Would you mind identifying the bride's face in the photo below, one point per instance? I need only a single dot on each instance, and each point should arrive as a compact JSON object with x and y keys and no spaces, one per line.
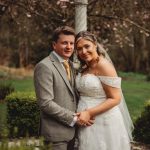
{"x":86,"y":50}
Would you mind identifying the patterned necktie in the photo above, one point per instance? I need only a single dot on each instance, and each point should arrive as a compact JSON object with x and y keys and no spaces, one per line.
{"x":67,"y":67}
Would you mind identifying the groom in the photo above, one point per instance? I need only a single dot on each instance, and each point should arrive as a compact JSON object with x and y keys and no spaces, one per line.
{"x":55,"y":91}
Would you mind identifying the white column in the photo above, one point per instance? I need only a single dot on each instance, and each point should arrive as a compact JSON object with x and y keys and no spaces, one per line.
{"x":80,"y":15}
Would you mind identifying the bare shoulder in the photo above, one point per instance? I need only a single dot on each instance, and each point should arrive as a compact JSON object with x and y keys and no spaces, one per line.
{"x":106,"y":68}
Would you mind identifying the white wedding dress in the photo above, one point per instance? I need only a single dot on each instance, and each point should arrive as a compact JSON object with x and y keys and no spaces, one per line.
{"x":108,"y":131}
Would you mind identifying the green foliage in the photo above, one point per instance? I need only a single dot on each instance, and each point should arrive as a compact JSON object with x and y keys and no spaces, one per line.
{"x":136,"y":91}
{"x":148,"y":77}
{"x":5,"y":146}
{"x":3,"y":127}
{"x":132,"y":76}
{"x":142,"y":126}
{"x":5,"y":89}
{"x":22,"y":114}
{"x":22,"y":144}
{"x":22,"y":85}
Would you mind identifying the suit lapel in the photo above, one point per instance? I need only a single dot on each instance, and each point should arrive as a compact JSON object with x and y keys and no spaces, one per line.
{"x":61,"y":71}
{"x":72,"y":74}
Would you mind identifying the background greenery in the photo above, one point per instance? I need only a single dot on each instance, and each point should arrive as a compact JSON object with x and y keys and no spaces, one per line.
{"x":22,"y":114}
{"x":136,"y":91}
{"x":22,"y":85}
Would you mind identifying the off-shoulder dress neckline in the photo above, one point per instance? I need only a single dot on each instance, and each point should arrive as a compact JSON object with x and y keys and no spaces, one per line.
{"x":91,"y":74}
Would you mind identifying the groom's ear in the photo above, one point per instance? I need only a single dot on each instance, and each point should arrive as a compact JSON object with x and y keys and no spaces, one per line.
{"x":54,"y":45}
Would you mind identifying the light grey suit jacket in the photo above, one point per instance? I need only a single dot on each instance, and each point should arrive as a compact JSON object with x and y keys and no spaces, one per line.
{"x":56,"y":98}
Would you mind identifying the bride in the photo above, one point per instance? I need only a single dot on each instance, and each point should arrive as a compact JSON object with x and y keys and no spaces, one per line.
{"x":101,"y":99}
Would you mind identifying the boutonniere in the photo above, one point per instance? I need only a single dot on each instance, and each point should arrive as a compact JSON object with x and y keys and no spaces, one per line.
{"x":76,"y":65}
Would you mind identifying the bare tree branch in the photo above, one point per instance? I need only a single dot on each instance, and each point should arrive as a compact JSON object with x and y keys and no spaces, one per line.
{"x":123,"y":19}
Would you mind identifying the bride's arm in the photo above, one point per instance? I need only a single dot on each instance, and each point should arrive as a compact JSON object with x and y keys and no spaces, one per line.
{"x":113,"y":96}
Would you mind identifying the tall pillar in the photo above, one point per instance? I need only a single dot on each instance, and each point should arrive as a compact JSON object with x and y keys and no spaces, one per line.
{"x":80,"y":15}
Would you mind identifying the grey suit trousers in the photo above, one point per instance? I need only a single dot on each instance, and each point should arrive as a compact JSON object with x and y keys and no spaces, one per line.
{"x":59,"y":145}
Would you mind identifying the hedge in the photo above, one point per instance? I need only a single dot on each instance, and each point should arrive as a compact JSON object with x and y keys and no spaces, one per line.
{"x":142,"y":126}
{"x":22,"y":114}
{"x":5,"y":89}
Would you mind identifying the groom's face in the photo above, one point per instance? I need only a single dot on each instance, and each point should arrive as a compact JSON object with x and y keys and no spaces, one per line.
{"x":64,"y":46}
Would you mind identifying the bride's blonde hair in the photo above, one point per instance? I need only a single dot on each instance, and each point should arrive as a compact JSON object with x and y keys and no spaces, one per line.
{"x":90,"y":37}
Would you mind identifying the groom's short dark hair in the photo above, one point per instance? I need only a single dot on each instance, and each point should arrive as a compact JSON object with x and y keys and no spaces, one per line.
{"x":66,"y":30}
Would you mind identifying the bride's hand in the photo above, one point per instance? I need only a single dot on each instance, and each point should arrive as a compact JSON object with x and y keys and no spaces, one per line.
{"x":83,"y":119}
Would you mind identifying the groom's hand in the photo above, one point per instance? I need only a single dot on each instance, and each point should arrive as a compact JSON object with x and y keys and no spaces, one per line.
{"x":81,"y":123}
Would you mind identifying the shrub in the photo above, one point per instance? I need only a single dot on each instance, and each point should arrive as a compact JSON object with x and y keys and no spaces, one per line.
{"x":142,"y":126}
{"x":22,"y":114}
{"x":3,"y":124}
{"x":148,"y":77}
{"x":5,"y":89}
{"x":22,"y":144}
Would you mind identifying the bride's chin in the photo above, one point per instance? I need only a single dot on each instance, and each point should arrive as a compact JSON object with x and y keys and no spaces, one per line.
{"x":88,"y":60}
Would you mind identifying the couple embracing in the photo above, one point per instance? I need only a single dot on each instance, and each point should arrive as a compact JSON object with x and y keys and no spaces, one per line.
{"x":90,"y":100}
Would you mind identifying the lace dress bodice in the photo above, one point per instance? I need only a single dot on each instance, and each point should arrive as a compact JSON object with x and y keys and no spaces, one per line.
{"x":90,"y":85}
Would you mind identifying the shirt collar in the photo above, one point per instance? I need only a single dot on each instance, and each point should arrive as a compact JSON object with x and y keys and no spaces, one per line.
{"x":59,"y":57}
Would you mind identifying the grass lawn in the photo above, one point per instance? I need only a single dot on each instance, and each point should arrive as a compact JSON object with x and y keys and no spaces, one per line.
{"x":22,"y":85}
{"x":136,"y":91}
